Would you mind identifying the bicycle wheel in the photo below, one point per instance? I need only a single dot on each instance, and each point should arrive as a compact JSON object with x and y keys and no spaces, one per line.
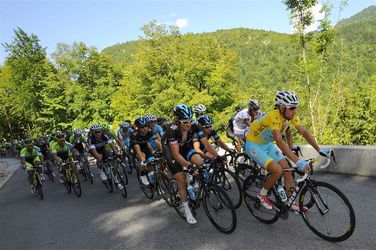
{"x":108,"y":182}
{"x":244,"y":166}
{"x":146,"y":189}
{"x":49,"y":172}
{"x":120,"y":180}
{"x":128,"y":164}
{"x":86,"y":170}
{"x":67,"y":182}
{"x":219,"y":209}
{"x":230,"y":183}
{"x":175,"y":198}
{"x":251,"y":186}
{"x":38,"y":187}
{"x":332,"y":216}
{"x":163,"y":187}
{"x":75,"y":182}
{"x":124,"y":170}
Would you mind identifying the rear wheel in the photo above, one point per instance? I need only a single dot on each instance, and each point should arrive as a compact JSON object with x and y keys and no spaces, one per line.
{"x":251,"y":186}
{"x":163,"y":187}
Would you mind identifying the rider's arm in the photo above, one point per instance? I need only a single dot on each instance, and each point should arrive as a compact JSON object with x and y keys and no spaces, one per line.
{"x":283,"y":146}
{"x":177,"y":156}
{"x":309,"y":138}
{"x":196,"y":146}
{"x":289,"y":138}
{"x":208,"y":147}
{"x":248,"y":122}
{"x":223,"y":145}
{"x":139,"y":154}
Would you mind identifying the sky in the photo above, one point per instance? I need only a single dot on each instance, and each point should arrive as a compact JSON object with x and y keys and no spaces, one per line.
{"x":102,"y":23}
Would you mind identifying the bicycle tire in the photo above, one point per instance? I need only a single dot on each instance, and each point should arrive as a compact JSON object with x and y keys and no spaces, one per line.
{"x":67,"y":183}
{"x":38,"y":187}
{"x":75,"y":182}
{"x":232,"y":187}
{"x":120,"y":179}
{"x":87,"y":171}
{"x":175,"y":199}
{"x":251,"y":186}
{"x":125,"y":175}
{"x":128,"y":164}
{"x":316,"y":191}
{"x":214,"y":194}
{"x":163,"y":185}
{"x":49,"y":172}
{"x":146,"y":189}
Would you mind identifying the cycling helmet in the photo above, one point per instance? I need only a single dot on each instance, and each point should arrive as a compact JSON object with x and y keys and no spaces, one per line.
{"x":28,"y":140}
{"x":95,"y":127}
{"x":60,"y":136}
{"x":205,"y":120}
{"x":182,"y":112}
{"x":78,"y":132}
{"x":125,"y":125}
{"x":141,"y":122}
{"x":150,"y":118}
{"x":253,"y":104}
{"x":199,"y":109}
{"x":286,"y":98}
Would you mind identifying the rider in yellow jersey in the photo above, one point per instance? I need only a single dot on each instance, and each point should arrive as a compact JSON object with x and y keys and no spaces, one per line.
{"x":268,"y":128}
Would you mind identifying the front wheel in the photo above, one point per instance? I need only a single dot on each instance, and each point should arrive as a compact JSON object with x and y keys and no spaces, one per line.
{"x":331,"y":215}
{"x":219,"y":209}
{"x":230,"y":183}
{"x":75,"y":182}
{"x":120,"y":184}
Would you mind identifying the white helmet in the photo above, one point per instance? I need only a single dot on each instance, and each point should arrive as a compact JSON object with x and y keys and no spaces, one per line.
{"x":254,"y":104}
{"x":286,"y":98}
{"x":199,"y":109}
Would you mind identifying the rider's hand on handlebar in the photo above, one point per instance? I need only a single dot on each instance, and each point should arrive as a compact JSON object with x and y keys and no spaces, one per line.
{"x":143,"y":163}
{"x":302,"y":164}
{"x":325,"y":153}
{"x":222,"y":159}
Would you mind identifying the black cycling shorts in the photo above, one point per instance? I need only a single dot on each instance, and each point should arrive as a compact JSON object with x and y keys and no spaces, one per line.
{"x":186,"y":151}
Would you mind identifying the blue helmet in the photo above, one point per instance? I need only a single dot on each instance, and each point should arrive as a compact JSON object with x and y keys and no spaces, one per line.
{"x":183,"y":112}
{"x":204,"y":120}
{"x":140,"y":122}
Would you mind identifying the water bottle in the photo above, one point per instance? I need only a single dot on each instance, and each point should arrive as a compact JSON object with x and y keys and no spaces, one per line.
{"x":191,"y":192}
{"x":282,"y":193}
{"x":151,"y":176}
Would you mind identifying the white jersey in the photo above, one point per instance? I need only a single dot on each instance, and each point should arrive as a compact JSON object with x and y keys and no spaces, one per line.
{"x":239,"y":120}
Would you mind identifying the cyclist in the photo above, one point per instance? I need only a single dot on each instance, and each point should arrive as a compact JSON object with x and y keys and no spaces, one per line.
{"x":44,"y":145}
{"x":230,"y":130}
{"x":177,"y":143}
{"x":206,"y":123}
{"x":123,"y":134}
{"x":98,"y":146}
{"x":198,"y":110}
{"x":31,"y":157}
{"x":244,"y":119}
{"x":140,"y":140}
{"x":157,"y":132}
{"x":268,"y":128}
{"x":78,"y":140}
{"x":63,"y":152}
{"x":163,"y":123}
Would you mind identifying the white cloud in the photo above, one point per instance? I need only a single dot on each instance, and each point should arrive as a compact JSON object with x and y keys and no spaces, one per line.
{"x":317,"y":16}
{"x":181,"y":22}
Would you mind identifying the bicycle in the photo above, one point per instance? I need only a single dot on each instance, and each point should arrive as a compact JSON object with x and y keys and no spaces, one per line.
{"x":158,"y":180}
{"x":217,"y":204}
{"x":47,"y":167}
{"x":37,"y":182}
{"x":85,"y":168}
{"x":316,"y":197}
{"x":111,"y":170}
{"x":71,"y":180}
{"x":219,"y":174}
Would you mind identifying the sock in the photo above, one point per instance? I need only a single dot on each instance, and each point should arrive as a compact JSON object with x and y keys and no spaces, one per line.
{"x":263,"y":192}
{"x":186,"y":207}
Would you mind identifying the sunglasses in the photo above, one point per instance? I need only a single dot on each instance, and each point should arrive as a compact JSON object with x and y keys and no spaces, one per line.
{"x":292,"y":108}
{"x":208,"y":126}
{"x":97,"y":131}
{"x":186,"y":122}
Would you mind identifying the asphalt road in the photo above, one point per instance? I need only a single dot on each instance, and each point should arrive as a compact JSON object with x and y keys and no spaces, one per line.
{"x":102,"y":220}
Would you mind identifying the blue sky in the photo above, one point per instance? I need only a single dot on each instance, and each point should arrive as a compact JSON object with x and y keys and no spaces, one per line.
{"x":104,"y":23}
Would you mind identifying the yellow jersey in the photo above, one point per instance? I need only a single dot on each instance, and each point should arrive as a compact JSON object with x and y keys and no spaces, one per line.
{"x":261,"y":129}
